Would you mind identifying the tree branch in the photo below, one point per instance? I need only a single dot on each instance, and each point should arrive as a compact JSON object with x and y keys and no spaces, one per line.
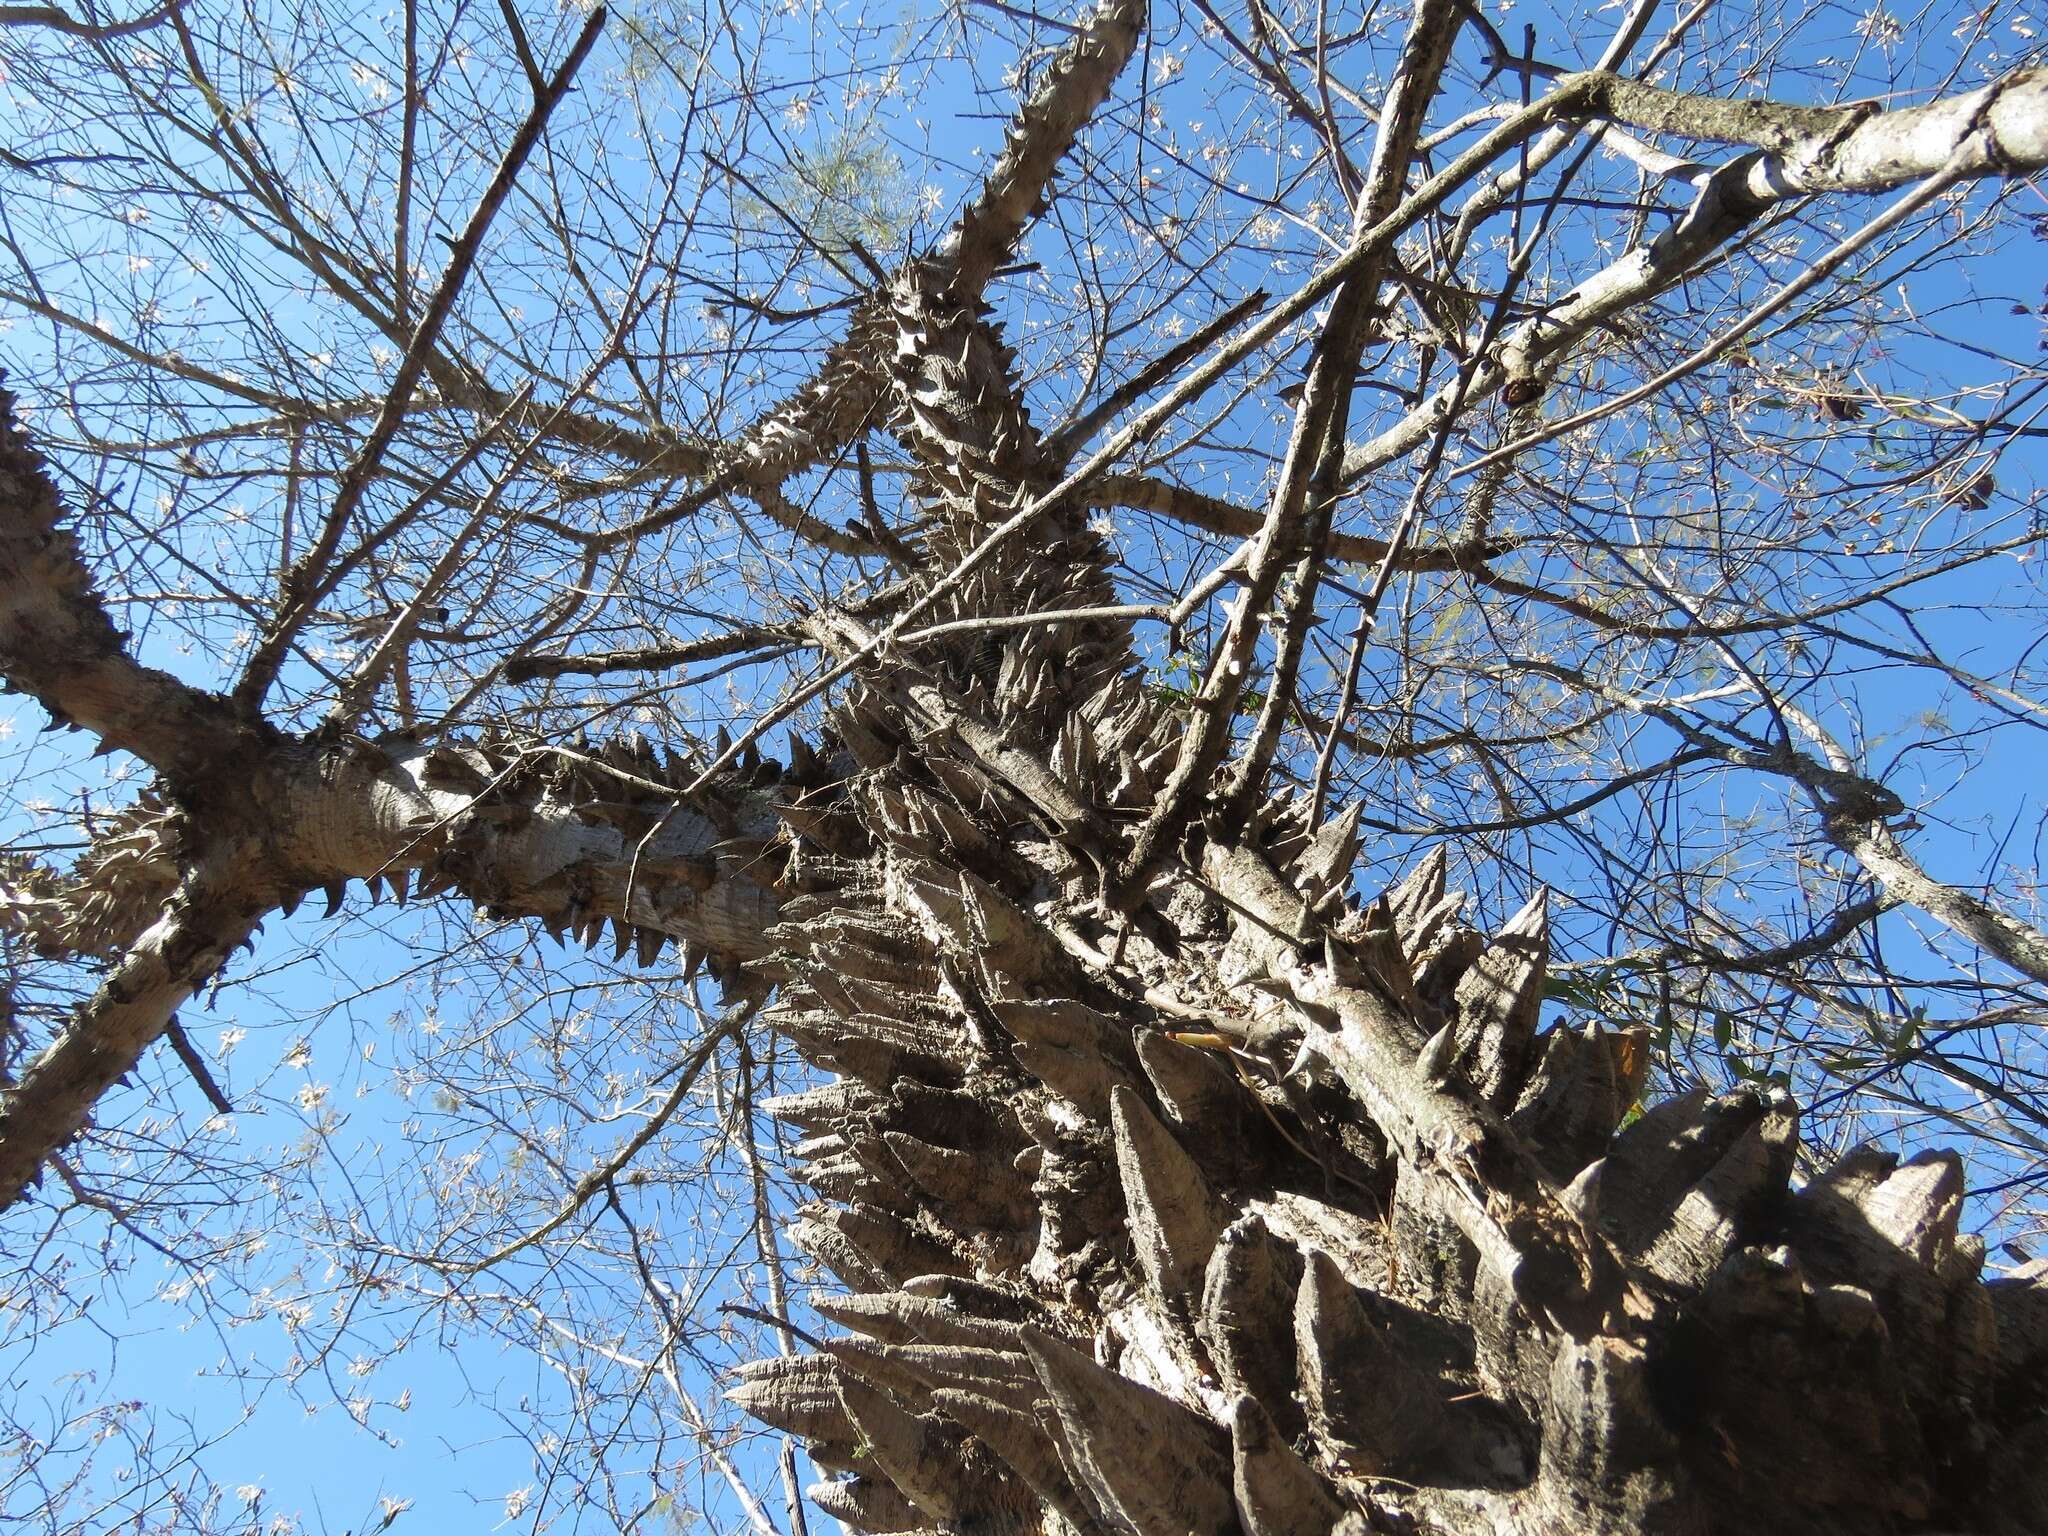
{"x":213,"y":911}
{"x":309,"y":579}
{"x":62,"y":21}
{"x":2000,"y":130}
{"x":1213,"y":514}
{"x":1073,"y":87}
{"x":58,"y":644}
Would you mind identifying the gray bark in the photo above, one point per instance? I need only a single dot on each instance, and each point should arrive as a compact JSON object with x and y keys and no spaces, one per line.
{"x":1207,"y":1198}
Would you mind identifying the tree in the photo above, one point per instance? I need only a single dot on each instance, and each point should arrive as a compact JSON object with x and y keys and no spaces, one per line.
{"x":1176,"y":1180}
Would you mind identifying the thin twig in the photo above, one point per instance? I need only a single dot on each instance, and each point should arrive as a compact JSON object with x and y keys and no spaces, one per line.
{"x":1723,"y":340}
{"x":60,"y":21}
{"x":1062,"y":442}
{"x":768,"y":1319}
{"x":296,"y":598}
{"x":602,"y":1175}
{"x":186,"y":1052}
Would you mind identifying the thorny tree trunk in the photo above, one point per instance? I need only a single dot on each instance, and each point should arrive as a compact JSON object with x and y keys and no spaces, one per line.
{"x":1172,"y":1191}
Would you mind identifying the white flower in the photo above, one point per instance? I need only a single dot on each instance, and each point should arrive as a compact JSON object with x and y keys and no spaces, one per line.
{"x":230,"y":1038}
{"x":249,"y":1493}
{"x":298,"y":1053}
{"x":311,"y":1096}
{"x":1881,"y":27}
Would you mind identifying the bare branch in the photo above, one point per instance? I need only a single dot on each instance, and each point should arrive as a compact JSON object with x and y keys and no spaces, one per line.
{"x":58,"y":643}
{"x":310,"y":577}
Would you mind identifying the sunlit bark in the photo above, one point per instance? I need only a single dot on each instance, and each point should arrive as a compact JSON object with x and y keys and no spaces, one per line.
{"x":1173,"y":1187}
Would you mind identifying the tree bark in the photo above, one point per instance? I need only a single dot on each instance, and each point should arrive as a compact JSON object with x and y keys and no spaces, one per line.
{"x":1247,"y":1206}
{"x":1291,"y":1222}
{"x":1173,"y":1188}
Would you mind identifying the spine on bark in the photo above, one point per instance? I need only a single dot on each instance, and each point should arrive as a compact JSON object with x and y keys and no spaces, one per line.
{"x":1246,"y":1206}
{"x":1103,"y":1275}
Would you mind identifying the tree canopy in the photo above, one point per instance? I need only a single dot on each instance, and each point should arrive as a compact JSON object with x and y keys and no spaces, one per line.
{"x":611,"y":502}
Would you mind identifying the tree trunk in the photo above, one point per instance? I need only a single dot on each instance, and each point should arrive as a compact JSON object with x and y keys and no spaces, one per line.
{"x":1195,"y":1195}
{"x":1200,"y":1240}
{"x":1174,"y":1188}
